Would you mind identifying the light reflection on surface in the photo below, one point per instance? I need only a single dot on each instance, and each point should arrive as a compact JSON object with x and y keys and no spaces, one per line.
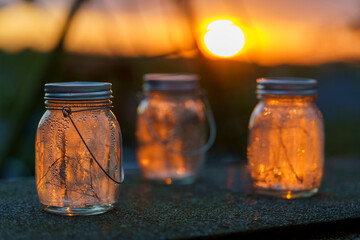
{"x":288,"y":195}
{"x":168,"y":181}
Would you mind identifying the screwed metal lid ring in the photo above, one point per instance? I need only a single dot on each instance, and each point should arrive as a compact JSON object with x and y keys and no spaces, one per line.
{"x":170,"y":82}
{"x":288,"y":86}
{"x":78,"y":91}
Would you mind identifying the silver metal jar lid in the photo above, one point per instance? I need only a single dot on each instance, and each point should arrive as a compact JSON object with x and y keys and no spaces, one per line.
{"x":170,"y":82}
{"x":78,"y":91}
{"x":287,"y":86}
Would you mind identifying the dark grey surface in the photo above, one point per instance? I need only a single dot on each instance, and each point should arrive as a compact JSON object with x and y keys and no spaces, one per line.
{"x":220,"y":203}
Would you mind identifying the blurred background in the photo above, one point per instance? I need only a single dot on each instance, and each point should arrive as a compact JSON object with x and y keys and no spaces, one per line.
{"x":229,"y":43}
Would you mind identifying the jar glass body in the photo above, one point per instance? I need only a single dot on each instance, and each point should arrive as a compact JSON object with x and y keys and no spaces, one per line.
{"x":68,"y":180}
{"x":171,"y":128}
{"x":286,"y":146}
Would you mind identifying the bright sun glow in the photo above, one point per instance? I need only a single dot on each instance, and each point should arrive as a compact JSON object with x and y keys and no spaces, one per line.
{"x":224,"y":39}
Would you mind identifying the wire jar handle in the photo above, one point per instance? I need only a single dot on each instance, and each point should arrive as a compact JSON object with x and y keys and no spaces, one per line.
{"x":66,"y":110}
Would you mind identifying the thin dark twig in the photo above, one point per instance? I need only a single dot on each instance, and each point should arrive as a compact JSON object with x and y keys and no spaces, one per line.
{"x":91,"y":181}
{"x":49,"y":168}
{"x":287,"y":157}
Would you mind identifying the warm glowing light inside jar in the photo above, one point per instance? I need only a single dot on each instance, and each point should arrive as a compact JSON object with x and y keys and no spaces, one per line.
{"x":166,"y":126}
{"x":285,"y":150}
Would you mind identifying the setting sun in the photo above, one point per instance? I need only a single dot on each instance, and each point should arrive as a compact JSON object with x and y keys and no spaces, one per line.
{"x":223,"y":38}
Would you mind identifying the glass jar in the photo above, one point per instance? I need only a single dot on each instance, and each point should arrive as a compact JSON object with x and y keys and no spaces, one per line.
{"x":286,"y":138}
{"x":78,"y":150}
{"x":172,"y":128}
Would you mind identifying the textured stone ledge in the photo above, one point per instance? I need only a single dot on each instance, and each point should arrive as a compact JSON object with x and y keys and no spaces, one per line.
{"x":218,"y":205}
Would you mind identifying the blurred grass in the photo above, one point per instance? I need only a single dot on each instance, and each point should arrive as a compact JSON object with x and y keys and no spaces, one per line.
{"x":19,"y":76}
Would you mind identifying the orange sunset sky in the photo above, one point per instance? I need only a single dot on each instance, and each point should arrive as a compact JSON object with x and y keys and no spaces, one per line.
{"x":276,"y":32}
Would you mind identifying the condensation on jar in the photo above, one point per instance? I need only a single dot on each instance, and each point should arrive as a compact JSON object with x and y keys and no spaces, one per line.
{"x":68,"y":180}
{"x":286,"y":138}
{"x":172,"y":128}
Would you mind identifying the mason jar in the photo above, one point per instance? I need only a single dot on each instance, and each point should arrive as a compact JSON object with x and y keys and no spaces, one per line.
{"x":286,"y":138}
{"x":172,"y":128}
{"x":78,"y":150}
